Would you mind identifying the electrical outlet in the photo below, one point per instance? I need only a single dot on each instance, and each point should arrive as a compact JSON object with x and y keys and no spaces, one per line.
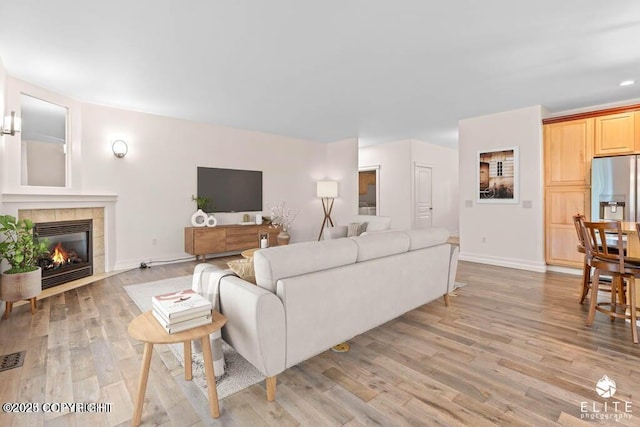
{"x":484,"y":240}
{"x":154,"y":241}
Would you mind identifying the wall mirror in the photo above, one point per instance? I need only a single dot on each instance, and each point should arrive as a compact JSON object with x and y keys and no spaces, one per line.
{"x":43,"y":156}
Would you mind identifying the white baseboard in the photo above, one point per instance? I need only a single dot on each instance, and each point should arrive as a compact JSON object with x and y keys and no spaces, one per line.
{"x":520,"y":264}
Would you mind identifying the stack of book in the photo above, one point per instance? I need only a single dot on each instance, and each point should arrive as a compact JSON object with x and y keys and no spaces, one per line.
{"x":182,"y":310}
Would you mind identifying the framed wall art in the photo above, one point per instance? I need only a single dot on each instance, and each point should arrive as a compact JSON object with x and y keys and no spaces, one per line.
{"x":498,"y":176}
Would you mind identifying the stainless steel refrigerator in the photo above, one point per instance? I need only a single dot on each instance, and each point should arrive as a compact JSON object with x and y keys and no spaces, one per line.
{"x":614,"y":188}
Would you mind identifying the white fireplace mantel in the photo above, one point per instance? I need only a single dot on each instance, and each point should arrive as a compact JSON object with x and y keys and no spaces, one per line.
{"x":60,"y":200}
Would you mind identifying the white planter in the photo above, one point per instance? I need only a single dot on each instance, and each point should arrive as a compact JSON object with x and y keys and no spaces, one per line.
{"x":19,"y":286}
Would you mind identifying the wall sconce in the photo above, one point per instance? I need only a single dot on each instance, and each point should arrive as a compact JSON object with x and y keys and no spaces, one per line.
{"x":119,"y":148}
{"x":11,"y":124}
{"x":327,"y":191}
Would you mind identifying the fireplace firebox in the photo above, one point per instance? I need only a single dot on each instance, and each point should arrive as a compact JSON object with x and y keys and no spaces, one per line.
{"x":70,"y":254}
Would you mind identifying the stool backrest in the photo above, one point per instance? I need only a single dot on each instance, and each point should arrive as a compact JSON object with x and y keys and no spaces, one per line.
{"x":578,"y":220}
{"x":597,"y":248}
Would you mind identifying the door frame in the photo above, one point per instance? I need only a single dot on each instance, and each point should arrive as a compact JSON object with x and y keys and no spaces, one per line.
{"x":375,"y":168}
{"x":413,"y":191}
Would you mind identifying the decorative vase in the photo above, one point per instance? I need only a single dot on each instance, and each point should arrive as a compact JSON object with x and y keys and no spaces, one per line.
{"x":211,"y":221}
{"x":199,"y":218}
{"x":283,"y":238}
{"x":19,"y":286}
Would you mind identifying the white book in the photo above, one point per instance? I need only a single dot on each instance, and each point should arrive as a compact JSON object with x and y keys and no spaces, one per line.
{"x":182,"y":326}
{"x":182,"y":317}
{"x":180,"y":303}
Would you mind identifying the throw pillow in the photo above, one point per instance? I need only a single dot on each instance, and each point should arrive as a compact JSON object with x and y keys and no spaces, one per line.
{"x":356,"y":229}
{"x":244,"y":269}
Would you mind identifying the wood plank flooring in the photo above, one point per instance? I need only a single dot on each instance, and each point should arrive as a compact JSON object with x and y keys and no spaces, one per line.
{"x":512,"y":349}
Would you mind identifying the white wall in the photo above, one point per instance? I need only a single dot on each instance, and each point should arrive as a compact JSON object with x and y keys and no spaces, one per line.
{"x":342,"y":166}
{"x":513,"y":235}
{"x":443,"y":162}
{"x":156,"y":179}
{"x":394,"y":159}
{"x":3,"y":99}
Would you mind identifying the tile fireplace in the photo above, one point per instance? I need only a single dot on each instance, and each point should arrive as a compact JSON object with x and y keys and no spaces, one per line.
{"x":70,"y":255}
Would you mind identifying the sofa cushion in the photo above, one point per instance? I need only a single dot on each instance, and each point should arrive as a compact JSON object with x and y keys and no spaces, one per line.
{"x":280,"y":262}
{"x":378,"y":245}
{"x":356,"y":228}
{"x":244,"y":269}
{"x":374,"y":222}
{"x":426,"y":237}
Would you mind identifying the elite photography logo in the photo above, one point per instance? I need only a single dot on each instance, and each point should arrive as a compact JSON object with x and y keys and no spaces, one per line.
{"x":605,"y":410}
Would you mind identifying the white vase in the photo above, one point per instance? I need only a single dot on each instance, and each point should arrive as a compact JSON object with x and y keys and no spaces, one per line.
{"x":258,"y":219}
{"x":211,"y":221}
{"x":199,"y":218}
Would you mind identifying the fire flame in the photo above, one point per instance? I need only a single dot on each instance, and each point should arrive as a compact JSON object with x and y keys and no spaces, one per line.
{"x":59,"y":255}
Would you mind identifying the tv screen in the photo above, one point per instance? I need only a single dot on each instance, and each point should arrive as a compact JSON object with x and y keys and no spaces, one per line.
{"x":230,"y":190}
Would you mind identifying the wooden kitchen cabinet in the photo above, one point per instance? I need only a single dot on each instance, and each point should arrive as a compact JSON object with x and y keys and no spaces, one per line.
{"x":562,"y":203}
{"x":364,"y":180}
{"x":615,"y":134}
{"x":568,"y":152}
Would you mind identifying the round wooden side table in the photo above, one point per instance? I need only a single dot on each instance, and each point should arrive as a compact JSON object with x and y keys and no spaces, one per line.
{"x":146,"y":328}
{"x":249,"y":253}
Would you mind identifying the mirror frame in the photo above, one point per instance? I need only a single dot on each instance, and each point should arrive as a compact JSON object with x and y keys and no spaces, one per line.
{"x":66,"y":143}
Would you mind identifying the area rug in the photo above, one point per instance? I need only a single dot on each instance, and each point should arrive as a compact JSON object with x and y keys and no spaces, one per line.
{"x":239,"y":374}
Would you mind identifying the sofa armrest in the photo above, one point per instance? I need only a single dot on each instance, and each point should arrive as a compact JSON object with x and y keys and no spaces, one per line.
{"x":336,"y":232}
{"x":255,"y":325}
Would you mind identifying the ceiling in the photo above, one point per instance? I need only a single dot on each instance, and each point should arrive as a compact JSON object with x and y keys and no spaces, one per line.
{"x":380,"y":70}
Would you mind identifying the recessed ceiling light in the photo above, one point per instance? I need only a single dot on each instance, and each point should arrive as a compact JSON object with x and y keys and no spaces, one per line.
{"x":626,"y":83}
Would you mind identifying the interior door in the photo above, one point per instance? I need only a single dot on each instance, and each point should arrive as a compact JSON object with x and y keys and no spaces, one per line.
{"x":423,"y":209}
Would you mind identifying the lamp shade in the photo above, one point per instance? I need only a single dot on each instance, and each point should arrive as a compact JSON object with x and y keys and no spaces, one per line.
{"x":327,"y":189}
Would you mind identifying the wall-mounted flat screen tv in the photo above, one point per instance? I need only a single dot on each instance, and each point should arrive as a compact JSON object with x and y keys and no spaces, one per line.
{"x":231,"y":190}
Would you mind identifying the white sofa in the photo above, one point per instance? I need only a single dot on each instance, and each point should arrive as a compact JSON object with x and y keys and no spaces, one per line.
{"x":311,"y":296}
{"x":374,"y":223}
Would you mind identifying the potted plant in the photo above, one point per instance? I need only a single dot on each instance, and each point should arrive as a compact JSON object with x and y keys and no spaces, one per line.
{"x":201,"y":202}
{"x":21,"y":250}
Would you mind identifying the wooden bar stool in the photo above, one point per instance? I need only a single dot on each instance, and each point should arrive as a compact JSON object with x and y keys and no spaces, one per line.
{"x":603,"y":260}
{"x":605,"y":284}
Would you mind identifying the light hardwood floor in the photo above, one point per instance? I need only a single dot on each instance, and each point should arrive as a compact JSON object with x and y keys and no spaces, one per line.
{"x":511,"y":349}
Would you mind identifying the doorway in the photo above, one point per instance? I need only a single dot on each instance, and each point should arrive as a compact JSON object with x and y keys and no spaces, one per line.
{"x":423,"y":207}
{"x":369,"y":190}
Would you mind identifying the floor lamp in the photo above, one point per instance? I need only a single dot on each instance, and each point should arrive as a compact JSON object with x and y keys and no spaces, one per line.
{"x":327,"y":191}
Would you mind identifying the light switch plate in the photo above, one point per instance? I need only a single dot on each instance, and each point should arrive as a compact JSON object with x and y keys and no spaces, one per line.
{"x":527,"y":204}
{"x":468,"y":203}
